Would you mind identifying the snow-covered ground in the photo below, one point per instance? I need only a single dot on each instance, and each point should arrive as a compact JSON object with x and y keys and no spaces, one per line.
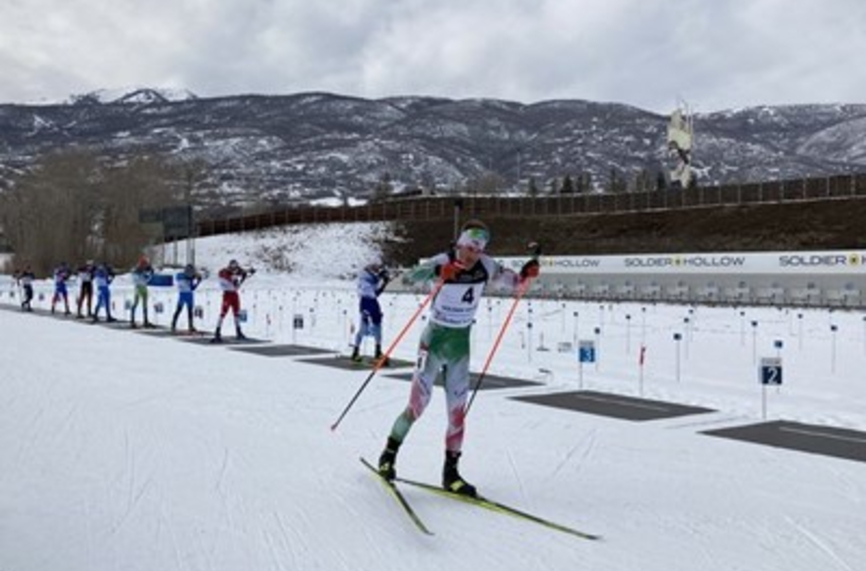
{"x":125,"y":450}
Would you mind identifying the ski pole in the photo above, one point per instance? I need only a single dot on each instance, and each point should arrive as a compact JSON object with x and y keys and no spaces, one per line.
{"x":384,"y":358}
{"x":521,"y":290}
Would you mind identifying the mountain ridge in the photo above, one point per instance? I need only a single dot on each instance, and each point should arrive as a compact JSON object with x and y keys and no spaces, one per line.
{"x":319,"y":146}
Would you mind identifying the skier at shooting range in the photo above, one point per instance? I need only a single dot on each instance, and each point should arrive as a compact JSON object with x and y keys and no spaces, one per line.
{"x":371,"y":283}
{"x":231,"y":278}
{"x":463,"y":274}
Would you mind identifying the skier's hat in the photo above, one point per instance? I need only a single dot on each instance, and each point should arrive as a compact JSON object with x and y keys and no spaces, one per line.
{"x":474,"y":236}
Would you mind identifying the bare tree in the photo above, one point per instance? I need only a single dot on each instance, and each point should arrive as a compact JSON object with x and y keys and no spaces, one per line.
{"x":487,"y":184}
{"x":49,"y":214}
{"x":143,"y":183}
{"x":71,"y":206}
{"x":383,"y":188}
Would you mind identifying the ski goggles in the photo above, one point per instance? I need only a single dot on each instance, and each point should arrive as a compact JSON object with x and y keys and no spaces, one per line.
{"x":474,"y":238}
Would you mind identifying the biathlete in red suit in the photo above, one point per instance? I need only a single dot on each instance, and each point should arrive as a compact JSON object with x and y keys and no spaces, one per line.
{"x":230,"y":279}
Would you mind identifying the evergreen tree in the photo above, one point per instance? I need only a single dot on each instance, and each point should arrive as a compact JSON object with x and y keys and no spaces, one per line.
{"x":588,"y":183}
{"x":567,"y":185}
{"x":581,"y":187}
{"x":616,"y":182}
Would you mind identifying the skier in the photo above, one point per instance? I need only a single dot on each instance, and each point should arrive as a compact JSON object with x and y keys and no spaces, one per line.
{"x":231,"y":277}
{"x":61,"y":276}
{"x":141,"y":275}
{"x":444,"y":345}
{"x":25,"y":281}
{"x":85,"y":291}
{"x":371,"y":283}
{"x":102,"y":277}
{"x":186,"y":281}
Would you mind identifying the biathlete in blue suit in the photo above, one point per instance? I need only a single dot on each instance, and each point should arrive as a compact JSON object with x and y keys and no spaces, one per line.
{"x":186,"y":282}
{"x":61,"y":275}
{"x":102,"y":277}
{"x":371,"y":283}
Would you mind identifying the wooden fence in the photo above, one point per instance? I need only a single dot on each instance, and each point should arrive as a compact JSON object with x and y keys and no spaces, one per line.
{"x":443,"y":207}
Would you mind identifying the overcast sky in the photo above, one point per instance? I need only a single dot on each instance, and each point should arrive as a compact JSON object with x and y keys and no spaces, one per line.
{"x":714,"y":54}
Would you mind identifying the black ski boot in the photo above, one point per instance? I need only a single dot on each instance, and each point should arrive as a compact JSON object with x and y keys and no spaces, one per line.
{"x":356,"y":355}
{"x":451,"y":479}
{"x":378,"y":357}
{"x":239,"y":334}
{"x":217,"y":337}
{"x":388,"y":459}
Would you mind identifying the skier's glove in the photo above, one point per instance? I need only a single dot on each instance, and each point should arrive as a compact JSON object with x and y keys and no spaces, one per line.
{"x":449,"y":271}
{"x":530,"y":269}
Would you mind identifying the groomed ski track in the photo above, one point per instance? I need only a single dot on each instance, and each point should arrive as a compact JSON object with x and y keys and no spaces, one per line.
{"x":127,"y":451}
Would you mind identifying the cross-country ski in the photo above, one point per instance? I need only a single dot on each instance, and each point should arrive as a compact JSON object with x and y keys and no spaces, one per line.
{"x":497,"y":507}
{"x":395,"y":493}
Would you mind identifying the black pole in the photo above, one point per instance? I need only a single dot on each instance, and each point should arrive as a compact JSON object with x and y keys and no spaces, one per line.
{"x":458,"y":206}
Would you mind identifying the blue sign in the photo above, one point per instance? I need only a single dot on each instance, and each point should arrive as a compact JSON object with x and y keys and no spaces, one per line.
{"x":586,"y":352}
{"x":242,"y":316}
{"x":770,"y":371}
{"x":161,"y":280}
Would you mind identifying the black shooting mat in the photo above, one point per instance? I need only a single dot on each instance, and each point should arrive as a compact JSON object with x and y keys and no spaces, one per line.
{"x":284,"y":350}
{"x":825,"y":440}
{"x":616,"y":406}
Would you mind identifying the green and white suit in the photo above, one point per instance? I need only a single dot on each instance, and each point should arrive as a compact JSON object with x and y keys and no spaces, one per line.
{"x":444,"y":345}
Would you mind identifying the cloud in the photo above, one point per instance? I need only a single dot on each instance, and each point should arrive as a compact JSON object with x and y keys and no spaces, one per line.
{"x":716,"y":55}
